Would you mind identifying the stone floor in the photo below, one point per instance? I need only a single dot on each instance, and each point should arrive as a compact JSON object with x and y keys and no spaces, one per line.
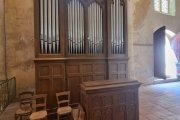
{"x":157,"y":102}
{"x":160,"y":102}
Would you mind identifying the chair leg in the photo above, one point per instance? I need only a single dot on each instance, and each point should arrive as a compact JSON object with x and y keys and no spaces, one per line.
{"x":57,"y":116}
{"x":15,"y":116}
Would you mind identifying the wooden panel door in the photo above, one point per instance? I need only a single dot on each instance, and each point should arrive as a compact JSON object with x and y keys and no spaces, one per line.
{"x":159,"y":53}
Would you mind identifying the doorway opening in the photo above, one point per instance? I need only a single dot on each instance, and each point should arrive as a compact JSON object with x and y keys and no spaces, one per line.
{"x":164,"y":57}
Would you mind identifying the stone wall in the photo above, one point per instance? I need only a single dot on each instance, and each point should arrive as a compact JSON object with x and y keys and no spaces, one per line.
{"x":140,"y":40}
{"x":142,"y":22}
{"x":20,"y":42}
{"x":2,"y":42}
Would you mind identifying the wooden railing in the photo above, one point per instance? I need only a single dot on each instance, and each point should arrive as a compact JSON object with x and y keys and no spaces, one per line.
{"x":7,"y":92}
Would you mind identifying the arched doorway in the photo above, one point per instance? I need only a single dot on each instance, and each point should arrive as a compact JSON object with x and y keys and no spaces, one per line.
{"x":164,"y":56}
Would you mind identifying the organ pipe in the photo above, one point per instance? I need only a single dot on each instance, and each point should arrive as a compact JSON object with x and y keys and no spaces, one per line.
{"x":75,"y":27}
{"x":49,"y":27}
{"x":57,"y":26}
{"x":95,"y":39}
{"x":53,"y":26}
{"x":45,"y":24}
{"x":42,"y":26}
{"x":117,"y":40}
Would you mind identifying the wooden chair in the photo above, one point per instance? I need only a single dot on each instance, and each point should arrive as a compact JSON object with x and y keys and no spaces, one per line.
{"x":63,"y":99}
{"x":25,"y":108}
{"x":39,"y":107}
{"x":78,"y":113}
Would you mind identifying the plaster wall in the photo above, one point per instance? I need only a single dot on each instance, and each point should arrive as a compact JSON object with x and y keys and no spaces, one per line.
{"x":20,"y":42}
{"x":140,"y":40}
{"x":2,"y":42}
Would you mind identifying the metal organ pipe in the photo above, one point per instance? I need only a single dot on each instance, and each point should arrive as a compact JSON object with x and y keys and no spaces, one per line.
{"x":95,"y":33}
{"x":69,"y":29}
{"x":53,"y":26}
{"x":42,"y":26}
{"x":92,"y":11}
{"x":89,"y":28}
{"x":112,"y":30}
{"x":76,"y":20}
{"x":122,"y":28}
{"x":75,"y":27}
{"x":78,"y":17}
{"x":95,"y":28}
{"x":57,"y":26}
{"x":114,"y":24}
{"x":45,"y":25}
{"x":49,"y":27}
{"x":101,"y":31}
{"x":117,"y":27}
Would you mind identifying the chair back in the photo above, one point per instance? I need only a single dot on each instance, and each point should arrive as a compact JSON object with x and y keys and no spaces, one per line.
{"x":81,"y":115}
{"x":63,"y":98}
{"x":39,"y":102}
{"x":25,"y":99}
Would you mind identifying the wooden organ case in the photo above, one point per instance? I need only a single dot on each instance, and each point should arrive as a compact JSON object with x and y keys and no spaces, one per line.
{"x":78,"y":41}
{"x":110,"y":99}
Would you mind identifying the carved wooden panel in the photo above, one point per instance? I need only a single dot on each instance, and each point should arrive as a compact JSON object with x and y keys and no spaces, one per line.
{"x":58,"y":84}
{"x":99,"y":67}
{"x":97,"y":115}
{"x":44,"y":70}
{"x":102,"y":101}
{"x":99,"y":77}
{"x":73,"y":68}
{"x":131,"y":112}
{"x":117,"y":70}
{"x":50,"y":80}
{"x":87,"y":68}
{"x":120,"y":112}
{"x":93,"y":71}
{"x":108,"y":114}
{"x":58,"y":69}
{"x":83,"y":71}
{"x":87,"y":78}
{"x":43,"y":86}
{"x":74,"y":87}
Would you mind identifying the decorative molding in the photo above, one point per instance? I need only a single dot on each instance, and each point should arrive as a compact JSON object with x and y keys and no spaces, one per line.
{"x":142,"y":44}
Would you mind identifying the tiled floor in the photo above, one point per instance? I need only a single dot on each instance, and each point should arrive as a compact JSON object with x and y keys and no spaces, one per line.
{"x":156,"y":102}
{"x":160,"y":102}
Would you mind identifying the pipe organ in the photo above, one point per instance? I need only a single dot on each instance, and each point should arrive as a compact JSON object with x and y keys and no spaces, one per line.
{"x":78,"y":41}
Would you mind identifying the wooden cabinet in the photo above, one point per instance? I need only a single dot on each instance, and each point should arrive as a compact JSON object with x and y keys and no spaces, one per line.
{"x":50,"y":78}
{"x":110,"y":99}
{"x":78,"y":41}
